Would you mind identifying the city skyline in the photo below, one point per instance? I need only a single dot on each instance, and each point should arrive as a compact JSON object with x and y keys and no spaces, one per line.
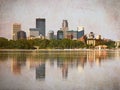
{"x":98,"y":16}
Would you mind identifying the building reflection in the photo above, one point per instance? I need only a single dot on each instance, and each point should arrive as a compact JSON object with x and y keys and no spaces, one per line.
{"x":64,"y":62}
{"x":59,"y":62}
{"x":37,"y":63}
{"x":17,"y":62}
{"x":34,"y":61}
{"x":95,"y":57}
{"x":65,"y":69}
{"x":91,"y":57}
{"x":40,"y":71}
{"x":51,"y":62}
{"x":72,"y":62}
{"x":117,"y":54}
{"x":81,"y":63}
{"x":63,"y":66}
{"x":15,"y":67}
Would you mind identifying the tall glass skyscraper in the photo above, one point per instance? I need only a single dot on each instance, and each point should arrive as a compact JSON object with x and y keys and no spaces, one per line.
{"x":40,"y":25}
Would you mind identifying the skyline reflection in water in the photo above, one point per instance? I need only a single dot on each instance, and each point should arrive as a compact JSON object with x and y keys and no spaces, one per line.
{"x":59,"y":67}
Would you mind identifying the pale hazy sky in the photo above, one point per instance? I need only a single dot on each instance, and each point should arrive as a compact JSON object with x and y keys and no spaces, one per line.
{"x":100,"y":16}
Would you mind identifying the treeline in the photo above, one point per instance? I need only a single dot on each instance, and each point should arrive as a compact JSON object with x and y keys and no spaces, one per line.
{"x":42,"y":44}
{"x":47,"y":44}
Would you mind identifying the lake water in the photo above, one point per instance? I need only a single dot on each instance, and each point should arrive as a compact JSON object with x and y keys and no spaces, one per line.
{"x":83,"y":70}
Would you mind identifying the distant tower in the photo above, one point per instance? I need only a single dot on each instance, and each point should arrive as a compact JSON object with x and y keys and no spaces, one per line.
{"x":40,"y":24}
{"x":16,"y":28}
{"x":21,"y":35}
{"x":51,"y":35}
{"x":60,"y":34}
{"x":65,"y":27}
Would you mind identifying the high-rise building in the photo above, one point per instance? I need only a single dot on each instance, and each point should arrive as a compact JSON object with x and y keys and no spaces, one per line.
{"x":34,"y":32}
{"x":65,"y":27}
{"x":40,"y":25}
{"x":80,"y":32}
{"x":39,"y":30}
{"x":60,"y":34}
{"x":51,"y":35}
{"x":21,"y":35}
{"x":16,"y":28}
{"x":72,"y":34}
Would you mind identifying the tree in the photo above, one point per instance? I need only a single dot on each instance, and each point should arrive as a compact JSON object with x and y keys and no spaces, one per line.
{"x":53,"y":43}
{"x":12,"y":44}
{"x":22,"y":44}
{"x":3,"y":42}
{"x":44,"y":44}
{"x":110,"y":44}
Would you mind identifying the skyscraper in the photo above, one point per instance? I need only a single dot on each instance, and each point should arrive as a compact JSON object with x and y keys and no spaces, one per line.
{"x":80,"y":32}
{"x":16,"y":28}
{"x":40,"y":24}
{"x":21,"y":35}
{"x":60,"y":34}
{"x":65,"y":27}
{"x":39,"y":30}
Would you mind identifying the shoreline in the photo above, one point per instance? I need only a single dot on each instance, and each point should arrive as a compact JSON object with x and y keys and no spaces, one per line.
{"x":58,"y":50}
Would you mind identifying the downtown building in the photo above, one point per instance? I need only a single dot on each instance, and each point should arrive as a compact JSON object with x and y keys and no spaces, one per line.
{"x":75,"y":34}
{"x":21,"y":35}
{"x":51,"y":35}
{"x":72,"y":34}
{"x":65,"y":28}
{"x":16,"y":28}
{"x":60,"y":35}
{"x":80,"y":32}
{"x":39,"y":31}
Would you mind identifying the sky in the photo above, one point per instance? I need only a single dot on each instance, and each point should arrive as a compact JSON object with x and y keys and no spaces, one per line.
{"x":98,"y":16}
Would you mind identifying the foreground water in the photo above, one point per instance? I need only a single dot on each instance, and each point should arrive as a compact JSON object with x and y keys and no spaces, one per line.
{"x":83,"y":70}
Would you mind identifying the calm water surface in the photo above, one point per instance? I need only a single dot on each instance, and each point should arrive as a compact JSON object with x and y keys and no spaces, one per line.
{"x":83,"y":70}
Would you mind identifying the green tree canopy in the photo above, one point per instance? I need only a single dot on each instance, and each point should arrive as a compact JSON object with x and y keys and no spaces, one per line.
{"x":3,"y":42}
